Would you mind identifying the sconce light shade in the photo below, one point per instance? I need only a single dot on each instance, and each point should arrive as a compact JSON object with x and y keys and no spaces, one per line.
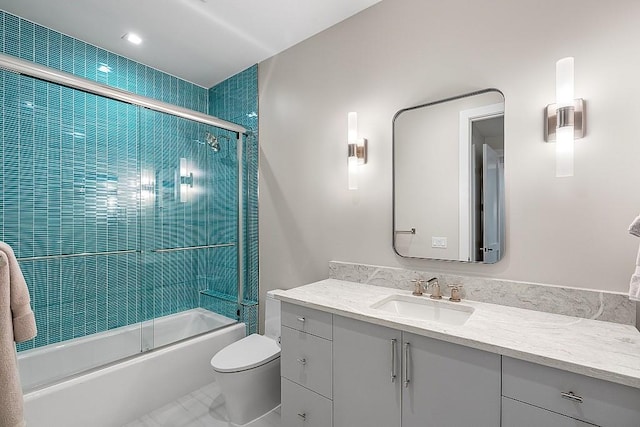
{"x":564,"y":120}
{"x":357,"y":150}
{"x":565,"y":113}
{"x":352,"y":133}
{"x":147,"y":185}
{"x":185,"y":180}
{"x":352,"y":164}
{"x":564,"y":82}
{"x":564,"y":151}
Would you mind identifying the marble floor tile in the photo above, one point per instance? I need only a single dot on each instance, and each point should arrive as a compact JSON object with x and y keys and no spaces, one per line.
{"x":201,"y":408}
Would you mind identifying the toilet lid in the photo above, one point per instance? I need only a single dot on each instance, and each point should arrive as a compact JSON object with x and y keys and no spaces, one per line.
{"x":249,"y":352}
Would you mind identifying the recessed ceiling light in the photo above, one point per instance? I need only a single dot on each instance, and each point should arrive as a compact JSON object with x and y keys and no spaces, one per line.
{"x":132,"y":38}
{"x":104,"y":68}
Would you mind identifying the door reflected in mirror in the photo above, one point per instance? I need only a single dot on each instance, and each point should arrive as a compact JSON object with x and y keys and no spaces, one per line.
{"x":448,"y":172}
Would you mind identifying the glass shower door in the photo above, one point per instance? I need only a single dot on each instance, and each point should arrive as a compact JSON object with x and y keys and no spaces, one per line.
{"x":70,"y":212}
{"x":188,"y":227}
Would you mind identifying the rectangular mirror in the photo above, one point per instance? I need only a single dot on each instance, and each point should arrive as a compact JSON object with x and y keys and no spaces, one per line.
{"x":448,"y":179}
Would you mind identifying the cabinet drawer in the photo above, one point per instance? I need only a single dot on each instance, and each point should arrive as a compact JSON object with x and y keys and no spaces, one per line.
{"x":307,"y":319}
{"x":602,"y":402}
{"x":304,"y":408}
{"x":518,"y":414}
{"x":306,"y":360}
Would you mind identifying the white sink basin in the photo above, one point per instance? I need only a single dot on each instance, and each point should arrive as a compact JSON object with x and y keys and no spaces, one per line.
{"x":423,"y":308}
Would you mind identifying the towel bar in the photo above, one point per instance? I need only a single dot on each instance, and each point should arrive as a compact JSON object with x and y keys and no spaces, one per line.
{"x":189,"y":248}
{"x":412,"y":231}
{"x":44,"y":257}
{"x":124,"y":252}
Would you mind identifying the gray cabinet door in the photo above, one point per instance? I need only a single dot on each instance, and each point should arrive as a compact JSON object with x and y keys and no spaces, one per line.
{"x":449,"y":385}
{"x":518,"y":414}
{"x":364,"y":392}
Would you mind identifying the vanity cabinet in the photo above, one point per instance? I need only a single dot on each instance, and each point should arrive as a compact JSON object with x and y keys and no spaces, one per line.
{"x":341,"y":372}
{"x":366,"y":374}
{"x":586,"y":401}
{"x":384,"y":377}
{"x":306,"y":364}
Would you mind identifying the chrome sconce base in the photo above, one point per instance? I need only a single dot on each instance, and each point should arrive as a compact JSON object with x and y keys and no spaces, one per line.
{"x":552,"y":115}
{"x":358,"y":150}
{"x":187,"y":180}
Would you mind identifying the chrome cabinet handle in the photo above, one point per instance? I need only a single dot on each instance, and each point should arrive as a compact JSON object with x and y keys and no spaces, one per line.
{"x":394,"y":343}
{"x":303,"y":416}
{"x":302,"y":361}
{"x":406,"y":365}
{"x":301,"y":319}
{"x":571,"y":396}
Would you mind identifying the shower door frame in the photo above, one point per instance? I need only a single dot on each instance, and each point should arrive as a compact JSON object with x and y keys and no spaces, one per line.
{"x":62,"y":78}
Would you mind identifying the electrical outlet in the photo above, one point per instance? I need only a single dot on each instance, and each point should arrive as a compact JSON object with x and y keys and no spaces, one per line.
{"x":439,"y":242}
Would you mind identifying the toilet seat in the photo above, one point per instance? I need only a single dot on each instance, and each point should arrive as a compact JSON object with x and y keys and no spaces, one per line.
{"x":247,"y":353}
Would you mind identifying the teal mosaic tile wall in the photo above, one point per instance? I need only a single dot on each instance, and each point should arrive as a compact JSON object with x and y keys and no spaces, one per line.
{"x":81,"y":173}
{"x":236,"y":100}
{"x":26,"y":40}
{"x":206,"y":214}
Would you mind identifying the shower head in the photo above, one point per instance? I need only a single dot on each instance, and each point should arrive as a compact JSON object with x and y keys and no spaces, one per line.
{"x":212,"y":142}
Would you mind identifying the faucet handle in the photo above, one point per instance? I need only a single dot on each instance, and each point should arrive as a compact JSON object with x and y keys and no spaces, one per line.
{"x":418,"y":286}
{"x":455,"y":292}
{"x":436,"y":293}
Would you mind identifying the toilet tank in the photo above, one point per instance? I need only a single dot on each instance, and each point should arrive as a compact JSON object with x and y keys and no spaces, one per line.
{"x":272,"y":317}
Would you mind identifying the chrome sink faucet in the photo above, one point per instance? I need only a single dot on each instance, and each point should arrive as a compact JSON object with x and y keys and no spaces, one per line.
{"x":436,"y":293}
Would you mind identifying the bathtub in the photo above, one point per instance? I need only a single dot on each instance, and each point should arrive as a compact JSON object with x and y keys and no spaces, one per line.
{"x":122,"y":391}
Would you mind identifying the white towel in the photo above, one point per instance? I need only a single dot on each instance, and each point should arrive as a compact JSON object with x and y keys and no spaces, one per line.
{"x":634,"y":228}
{"x":16,"y":324}
{"x":634,"y":285}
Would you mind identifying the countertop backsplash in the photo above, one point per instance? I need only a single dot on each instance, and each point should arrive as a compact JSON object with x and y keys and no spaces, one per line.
{"x":585,"y":303}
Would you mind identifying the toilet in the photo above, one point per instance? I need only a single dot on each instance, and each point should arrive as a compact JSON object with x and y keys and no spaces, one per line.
{"x":248,"y":370}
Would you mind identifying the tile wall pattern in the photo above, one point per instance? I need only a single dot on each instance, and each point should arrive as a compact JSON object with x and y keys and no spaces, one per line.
{"x":589,"y":304}
{"x":236,"y":100}
{"x":81,"y":173}
{"x":26,"y":40}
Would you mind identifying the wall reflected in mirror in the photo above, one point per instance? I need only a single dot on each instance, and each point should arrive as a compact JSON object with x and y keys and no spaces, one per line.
{"x":448,"y":172}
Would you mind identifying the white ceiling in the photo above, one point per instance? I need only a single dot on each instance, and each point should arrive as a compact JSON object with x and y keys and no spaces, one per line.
{"x":202,"y":41}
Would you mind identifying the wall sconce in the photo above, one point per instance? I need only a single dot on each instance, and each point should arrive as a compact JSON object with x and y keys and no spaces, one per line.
{"x":186,"y":180}
{"x":357,"y":153}
{"x":564,"y":120}
{"x":147,"y":185}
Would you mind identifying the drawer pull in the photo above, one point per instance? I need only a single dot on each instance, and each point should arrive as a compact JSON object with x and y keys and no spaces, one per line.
{"x":301,"y":319}
{"x":571,"y":396}
{"x":303,"y":416}
{"x":302,"y":361}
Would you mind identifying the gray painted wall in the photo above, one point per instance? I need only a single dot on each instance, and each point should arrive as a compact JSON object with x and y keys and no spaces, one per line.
{"x":399,"y":53}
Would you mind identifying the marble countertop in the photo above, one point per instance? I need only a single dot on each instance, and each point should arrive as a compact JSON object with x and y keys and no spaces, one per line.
{"x":604,"y":350}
